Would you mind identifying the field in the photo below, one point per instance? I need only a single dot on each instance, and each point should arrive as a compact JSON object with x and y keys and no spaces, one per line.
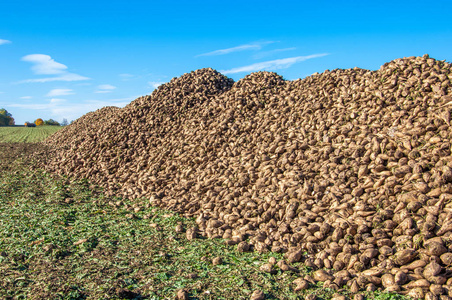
{"x":26,"y":134}
{"x":64,"y":239}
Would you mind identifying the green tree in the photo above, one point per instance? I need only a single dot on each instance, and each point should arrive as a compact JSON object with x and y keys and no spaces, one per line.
{"x":6,"y":119}
{"x":51,"y":122}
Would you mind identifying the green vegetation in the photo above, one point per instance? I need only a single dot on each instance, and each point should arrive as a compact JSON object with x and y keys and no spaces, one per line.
{"x":26,"y":134}
{"x":51,"y":122}
{"x":6,"y":119}
{"x":64,"y":239}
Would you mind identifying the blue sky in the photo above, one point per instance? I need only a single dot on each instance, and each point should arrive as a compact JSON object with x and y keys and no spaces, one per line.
{"x":62,"y":59}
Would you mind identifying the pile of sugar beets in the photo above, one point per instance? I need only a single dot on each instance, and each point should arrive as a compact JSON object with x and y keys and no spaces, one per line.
{"x":348,"y":171}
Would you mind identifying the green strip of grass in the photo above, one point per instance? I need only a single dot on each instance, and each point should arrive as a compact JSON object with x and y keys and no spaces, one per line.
{"x":65,"y":240}
{"x":26,"y":134}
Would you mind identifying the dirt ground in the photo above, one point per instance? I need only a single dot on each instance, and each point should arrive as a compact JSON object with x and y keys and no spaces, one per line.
{"x":9,"y":152}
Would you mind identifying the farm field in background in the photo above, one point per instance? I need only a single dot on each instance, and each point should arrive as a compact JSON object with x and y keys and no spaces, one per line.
{"x":26,"y":134}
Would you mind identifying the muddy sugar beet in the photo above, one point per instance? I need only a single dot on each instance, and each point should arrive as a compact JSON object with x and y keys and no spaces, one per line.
{"x":348,"y":171}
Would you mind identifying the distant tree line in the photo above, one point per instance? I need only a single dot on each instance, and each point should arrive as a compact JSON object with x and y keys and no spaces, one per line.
{"x":52,"y":122}
{"x":6,"y":119}
{"x":40,"y":122}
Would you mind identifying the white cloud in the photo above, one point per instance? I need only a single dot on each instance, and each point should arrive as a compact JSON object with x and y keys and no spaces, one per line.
{"x":26,"y":97}
{"x":105,"y":88}
{"x":252,"y":46}
{"x":155,"y":84}
{"x":271,"y":52}
{"x":34,"y":106}
{"x":102,"y":92}
{"x":57,"y":100}
{"x":45,"y":65}
{"x":3,"y":42}
{"x":126,"y":76}
{"x":64,"y":77}
{"x":59,"y":92}
{"x":120,"y":102}
{"x":272,"y":64}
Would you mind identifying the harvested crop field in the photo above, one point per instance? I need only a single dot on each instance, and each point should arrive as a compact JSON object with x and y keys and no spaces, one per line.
{"x":11,"y":134}
{"x":10,"y":152}
{"x":348,"y":172}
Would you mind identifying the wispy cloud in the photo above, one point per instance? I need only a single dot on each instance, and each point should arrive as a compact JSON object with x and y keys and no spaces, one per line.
{"x":120,"y":102}
{"x":272,"y":52}
{"x":3,"y":42}
{"x":65,"y":77}
{"x":155,"y":84}
{"x":26,"y":97}
{"x":37,"y":106}
{"x":276,"y":64}
{"x":105,"y":88}
{"x":252,"y":46}
{"x":145,"y":75}
{"x":59,"y":92}
{"x":126,"y":76}
{"x":45,"y":65}
{"x":57,"y":100}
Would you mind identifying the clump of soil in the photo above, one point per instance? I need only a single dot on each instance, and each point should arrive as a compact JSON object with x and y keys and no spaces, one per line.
{"x":353,"y":167}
